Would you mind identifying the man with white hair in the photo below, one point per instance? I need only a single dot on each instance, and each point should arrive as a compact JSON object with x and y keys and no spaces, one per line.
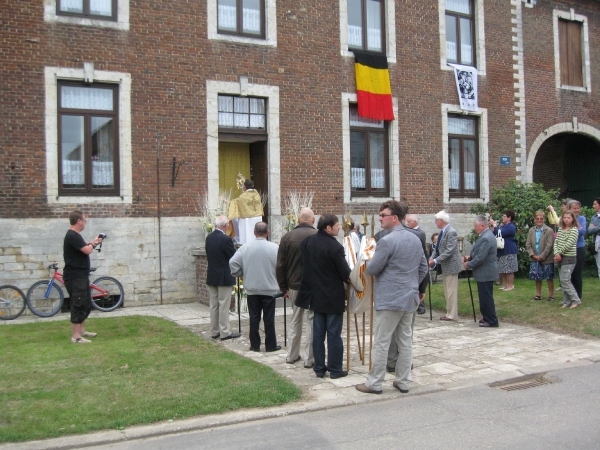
{"x":219,"y":250}
{"x":446,"y":257}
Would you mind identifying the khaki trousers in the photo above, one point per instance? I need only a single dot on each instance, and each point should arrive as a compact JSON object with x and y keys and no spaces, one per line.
{"x":451,"y":294}
{"x":220,"y":300}
{"x":295,"y":337}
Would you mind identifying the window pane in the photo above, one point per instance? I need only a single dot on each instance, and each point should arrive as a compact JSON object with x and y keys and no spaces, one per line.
{"x":102,"y":151}
{"x":377,"y":160}
{"x":72,"y":6}
{"x":257,"y":105}
{"x":457,"y":125}
{"x":470,"y":166}
{"x":257,"y":121}
{"x":357,"y":161}
{"x":86,"y":98}
{"x":225,"y":103}
{"x":354,"y":23}
{"x":241,"y":120}
{"x":226,"y":15}
{"x":101,"y":7}
{"x":460,"y":6}
{"x":358,"y":121}
{"x":374,"y":32}
{"x":225,"y":119}
{"x":453,"y":164}
{"x":451,"y":38}
{"x":241,"y":105}
{"x":72,"y":151}
{"x":466,"y":42}
{"x":251,"y":16}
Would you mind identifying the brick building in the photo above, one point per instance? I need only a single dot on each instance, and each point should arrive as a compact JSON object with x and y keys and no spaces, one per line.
{"x":132,"y":111}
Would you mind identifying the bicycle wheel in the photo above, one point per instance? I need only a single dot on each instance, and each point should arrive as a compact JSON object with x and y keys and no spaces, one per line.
{"x":107,"y":294}
{"x":43,"y":300}
{"x":12,"y":302}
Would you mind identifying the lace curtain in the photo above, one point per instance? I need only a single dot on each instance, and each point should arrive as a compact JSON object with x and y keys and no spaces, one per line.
{"x":86,"y":98}
{"x":97,"y":7}
{"x":102,"y":173}
{"x":358,"y":178}
{"x":228,"y":18}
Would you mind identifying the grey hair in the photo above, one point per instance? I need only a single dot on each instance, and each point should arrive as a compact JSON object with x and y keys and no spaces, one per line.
{"x":443,"y":216}
{"x":221,"y":221}
{"x":413,"y":217}
{"x":572,"y":203}
{"x":481,"y":220}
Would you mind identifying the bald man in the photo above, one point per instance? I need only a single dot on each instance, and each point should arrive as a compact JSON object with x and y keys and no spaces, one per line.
{"x":289,"y":275}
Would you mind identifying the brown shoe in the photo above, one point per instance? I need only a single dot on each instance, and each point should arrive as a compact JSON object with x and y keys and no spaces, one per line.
{"x":366,"y":390}
{"x":446,"y":319}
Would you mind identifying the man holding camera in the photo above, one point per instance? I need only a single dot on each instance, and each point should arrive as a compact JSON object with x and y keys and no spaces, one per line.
{"x":76,"y":275}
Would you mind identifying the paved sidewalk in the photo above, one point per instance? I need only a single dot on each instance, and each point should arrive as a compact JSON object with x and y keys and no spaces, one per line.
{"x":446,"y":356}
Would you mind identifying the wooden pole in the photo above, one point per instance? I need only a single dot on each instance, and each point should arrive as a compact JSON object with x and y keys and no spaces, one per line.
{"x":364,"y":318}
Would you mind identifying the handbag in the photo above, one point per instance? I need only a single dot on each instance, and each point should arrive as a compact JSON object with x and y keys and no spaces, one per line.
{"x":499,"y":240}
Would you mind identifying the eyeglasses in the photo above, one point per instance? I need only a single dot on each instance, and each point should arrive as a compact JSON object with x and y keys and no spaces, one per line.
{"x":385,"y":215}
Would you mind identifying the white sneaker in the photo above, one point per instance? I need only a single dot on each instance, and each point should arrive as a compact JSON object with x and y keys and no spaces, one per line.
{"x":89,"y":334}
{"x":80,"y":340}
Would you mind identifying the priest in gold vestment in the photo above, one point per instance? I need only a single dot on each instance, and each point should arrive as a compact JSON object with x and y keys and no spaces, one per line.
{"x":245,"y":211}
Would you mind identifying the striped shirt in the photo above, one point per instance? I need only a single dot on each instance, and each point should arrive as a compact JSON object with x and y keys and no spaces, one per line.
{"x":566,"y":242}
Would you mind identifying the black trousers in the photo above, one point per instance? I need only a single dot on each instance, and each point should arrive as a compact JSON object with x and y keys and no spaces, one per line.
{"x":264,"y":304}
{"x":577,"y":275}
{"x":485,"y":289}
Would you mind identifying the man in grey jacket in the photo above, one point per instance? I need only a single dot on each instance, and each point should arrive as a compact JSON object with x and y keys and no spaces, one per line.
{"x":447,"y":256}
{"x":398,"y":266}
{"x":255,"y":261}
{"x":484,"y":264}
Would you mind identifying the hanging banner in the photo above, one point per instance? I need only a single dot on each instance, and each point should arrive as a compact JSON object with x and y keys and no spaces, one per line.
{"x":373,"y":90}
{"x":466,"y":86}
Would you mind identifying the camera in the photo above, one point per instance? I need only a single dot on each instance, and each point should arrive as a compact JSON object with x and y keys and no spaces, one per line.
{"x":102,"y":235}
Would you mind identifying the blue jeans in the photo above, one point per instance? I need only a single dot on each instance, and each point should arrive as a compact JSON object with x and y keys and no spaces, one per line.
{"x":330,"y":325}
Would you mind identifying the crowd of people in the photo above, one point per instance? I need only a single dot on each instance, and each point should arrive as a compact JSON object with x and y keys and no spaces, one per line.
{"x":310,"y":268}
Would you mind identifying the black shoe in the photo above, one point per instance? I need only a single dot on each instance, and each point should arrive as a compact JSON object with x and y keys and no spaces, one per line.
{"x":274,"y":349}
{"x":335,"y":375}
{"x":421,"y":309}
{"x":487,"y":325}
{"x":404,"y":391}
{"x":252,"y":349}
{"x":216,"y":337}
{"x":320,"y":374}
{"x":231,"y":336}
{"x":390,"y":369}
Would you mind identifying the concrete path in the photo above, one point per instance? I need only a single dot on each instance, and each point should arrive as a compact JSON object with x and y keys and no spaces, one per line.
{"x":447,"y":356}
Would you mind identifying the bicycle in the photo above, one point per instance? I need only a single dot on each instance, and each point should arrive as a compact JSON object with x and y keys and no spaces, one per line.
{"x":12,"y":302}
{"x":45,"y":298}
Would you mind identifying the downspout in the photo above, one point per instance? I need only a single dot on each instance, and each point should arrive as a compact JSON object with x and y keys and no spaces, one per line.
{"x":158,"y":137}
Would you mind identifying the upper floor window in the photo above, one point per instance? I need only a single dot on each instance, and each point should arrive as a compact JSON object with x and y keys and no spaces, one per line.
{"x":463,"y":157}
{"x":99,"y":9}
{"x":460,"y":32}
{"x":88,"y":133}
{"x":366,"y":25}
{"x":368,"y":156}
{"x":241,"y":17}
{"x":241,"y":112}
{"x":571,"y":54}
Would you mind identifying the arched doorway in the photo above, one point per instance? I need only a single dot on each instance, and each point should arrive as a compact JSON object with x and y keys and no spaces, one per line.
{"x":567,"y":161}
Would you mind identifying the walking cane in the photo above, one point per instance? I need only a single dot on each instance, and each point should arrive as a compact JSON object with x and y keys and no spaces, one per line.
{"x":430,"y":312}
{"x":238,"y":305}
{"x":471,"y":292}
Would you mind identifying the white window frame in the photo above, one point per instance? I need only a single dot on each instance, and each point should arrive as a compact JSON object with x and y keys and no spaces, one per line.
{"x":122,"y":22}
{"x":585,"y":49}
{"x":484,"y":164}
{"x":52,"y":76}
{"x":270,"y":38}
{"x":394,"y":153}
{"x":390,"y":31}
{"x":479,"y":37}
{"x":243,"y":88}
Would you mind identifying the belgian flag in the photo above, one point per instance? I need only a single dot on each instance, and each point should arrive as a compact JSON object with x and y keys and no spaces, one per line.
{"x":373,"y":86}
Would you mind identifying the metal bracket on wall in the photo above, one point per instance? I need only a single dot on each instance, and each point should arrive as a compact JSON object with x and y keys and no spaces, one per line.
{"x":176,"y":170}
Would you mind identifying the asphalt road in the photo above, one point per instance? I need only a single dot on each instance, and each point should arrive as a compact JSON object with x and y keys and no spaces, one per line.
{"x":562,"y":415}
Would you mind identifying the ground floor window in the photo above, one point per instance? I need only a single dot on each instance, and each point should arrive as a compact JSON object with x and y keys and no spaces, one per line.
{"x":463,"y":157}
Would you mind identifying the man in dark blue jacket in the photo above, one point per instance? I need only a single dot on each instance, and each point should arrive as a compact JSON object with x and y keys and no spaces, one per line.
{"x":219,"y":250}
{"x":322,"y":290}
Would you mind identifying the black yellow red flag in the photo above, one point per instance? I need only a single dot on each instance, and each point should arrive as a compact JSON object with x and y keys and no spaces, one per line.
{"x":373,"y":88}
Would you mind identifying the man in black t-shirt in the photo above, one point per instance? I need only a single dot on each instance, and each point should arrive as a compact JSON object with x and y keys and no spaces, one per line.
{"x":76,"y":275}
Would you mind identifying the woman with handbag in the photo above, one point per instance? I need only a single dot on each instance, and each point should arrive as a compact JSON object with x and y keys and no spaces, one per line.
{"x":539,"y":244}
{"x":565,"y":251}
{"x":594,"y":230}
{"x":507,"y":249}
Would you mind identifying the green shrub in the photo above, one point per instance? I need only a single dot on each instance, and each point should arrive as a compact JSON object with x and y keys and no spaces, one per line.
{"x":524,"y":199}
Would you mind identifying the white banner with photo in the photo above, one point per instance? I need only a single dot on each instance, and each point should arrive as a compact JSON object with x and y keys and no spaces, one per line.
{"x":466,"y":86}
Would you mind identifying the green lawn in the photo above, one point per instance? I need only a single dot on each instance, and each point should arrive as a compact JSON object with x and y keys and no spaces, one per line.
{"x":518,"y":307}
{"x":138,"y":370}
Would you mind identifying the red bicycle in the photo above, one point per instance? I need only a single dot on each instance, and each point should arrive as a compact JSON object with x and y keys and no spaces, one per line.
{"x":45,"y":298}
